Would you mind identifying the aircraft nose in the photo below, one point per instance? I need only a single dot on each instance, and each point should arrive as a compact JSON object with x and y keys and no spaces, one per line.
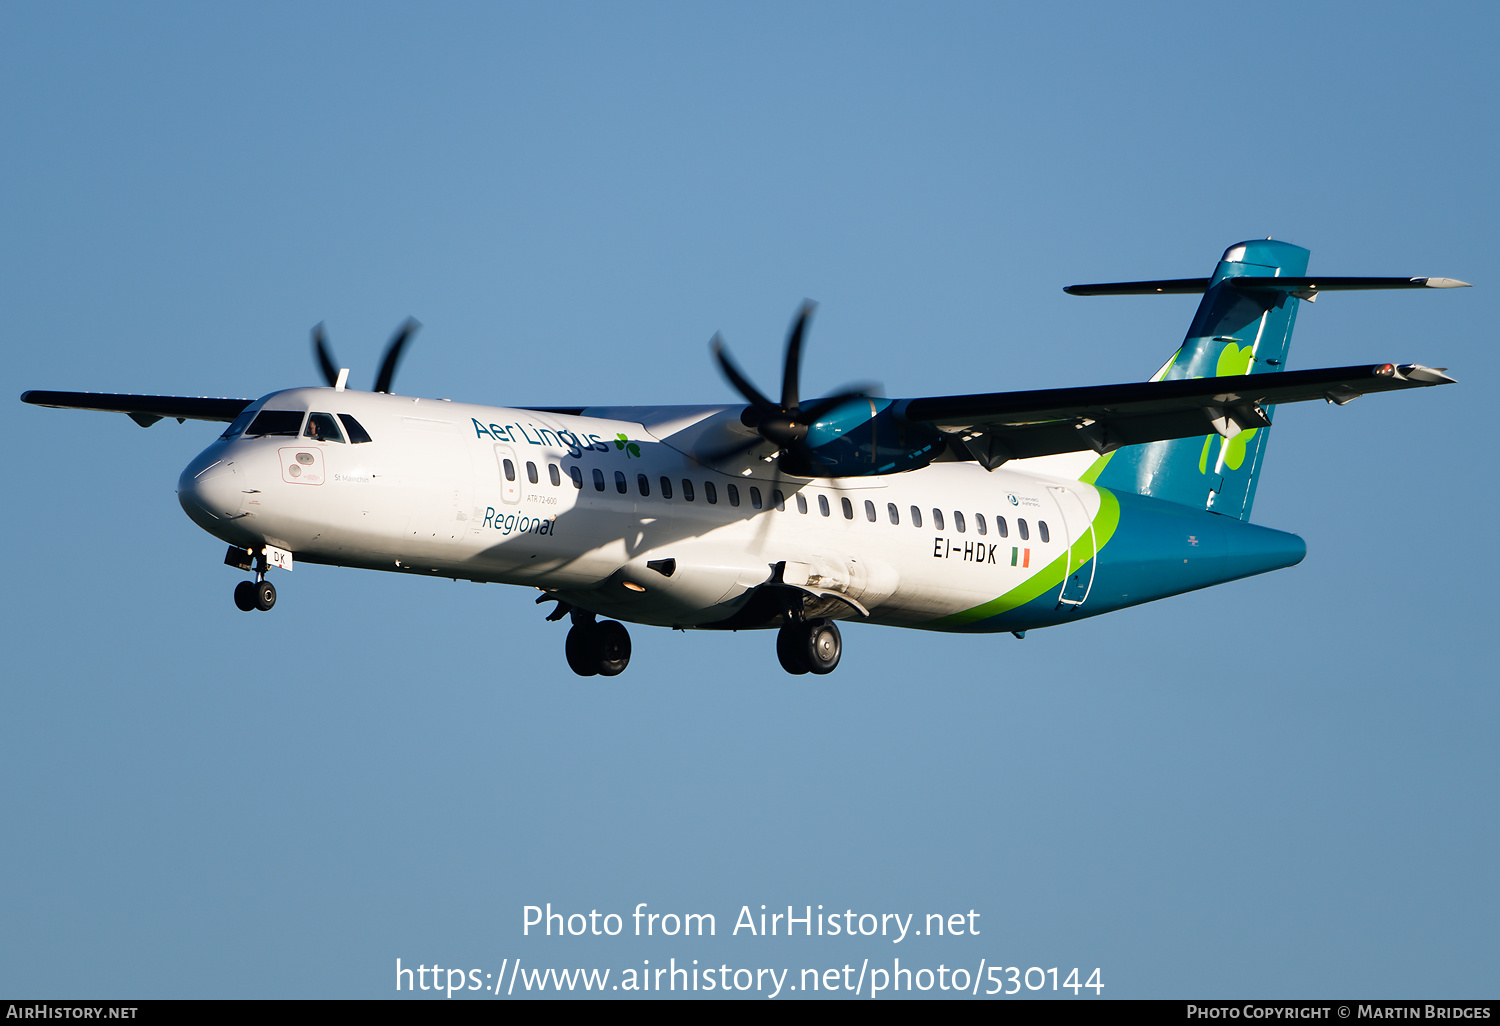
{"x":211,"y":492}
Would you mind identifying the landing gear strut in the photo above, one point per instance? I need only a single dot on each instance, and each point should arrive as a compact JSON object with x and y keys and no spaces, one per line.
{"x":259,"y":593}
{"x":597,"y":648}
{"x":809,"y":647}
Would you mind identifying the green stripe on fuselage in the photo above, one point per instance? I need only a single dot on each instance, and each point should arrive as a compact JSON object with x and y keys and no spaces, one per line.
{"x":1049,"y":577}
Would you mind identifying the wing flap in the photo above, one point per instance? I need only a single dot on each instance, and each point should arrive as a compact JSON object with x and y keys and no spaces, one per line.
{"x":1015,"y":425}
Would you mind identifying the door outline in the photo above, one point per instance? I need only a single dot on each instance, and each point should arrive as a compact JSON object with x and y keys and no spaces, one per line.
{"x":510,"y":490}
{"x":1062,"y":495}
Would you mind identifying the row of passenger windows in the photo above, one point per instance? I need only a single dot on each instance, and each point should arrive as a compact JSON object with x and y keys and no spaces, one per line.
{"x":778,"y":500}
{"x":321,"y":427}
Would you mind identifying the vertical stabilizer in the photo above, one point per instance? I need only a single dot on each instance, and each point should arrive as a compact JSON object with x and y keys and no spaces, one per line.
{"x":1236,"y":330}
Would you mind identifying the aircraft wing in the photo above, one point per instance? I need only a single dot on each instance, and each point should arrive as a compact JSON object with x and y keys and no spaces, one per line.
{"x":1001,"y":426}
{"x":145,"y":410}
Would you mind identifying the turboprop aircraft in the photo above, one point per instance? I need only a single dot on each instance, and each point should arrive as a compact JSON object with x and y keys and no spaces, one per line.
{"x":1000,"y":512}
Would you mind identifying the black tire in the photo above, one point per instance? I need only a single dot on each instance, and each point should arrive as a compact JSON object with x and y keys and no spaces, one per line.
{"x":611,"y":647}
{"x":790,"y":641}
{"x":244,"y":595}
{"x":580,"y":650}
{"x":265,"y":596}
{"x":824,"y":646}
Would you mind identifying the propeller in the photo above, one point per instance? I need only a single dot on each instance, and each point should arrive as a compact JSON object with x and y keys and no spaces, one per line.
{"x":783,"y":424}
{"x":393,"y":351}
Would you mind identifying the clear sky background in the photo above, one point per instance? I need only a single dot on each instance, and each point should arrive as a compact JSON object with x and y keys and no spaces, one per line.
{"x":1280,"y":787}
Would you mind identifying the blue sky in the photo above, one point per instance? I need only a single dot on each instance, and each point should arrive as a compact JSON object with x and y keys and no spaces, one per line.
{"x":1280,"y":787}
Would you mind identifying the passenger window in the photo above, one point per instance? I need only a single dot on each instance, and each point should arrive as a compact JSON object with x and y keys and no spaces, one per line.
{"x":734,"y":494}
{"x":1041,"y":530}
{"x":237,"y":425}
{"x":869,"y":511}
{"x":643,"y":483}
{"x":710,"y":492}
{"x":1001,"y":528}
{"x":916,"y":517}
{"x":620,"y":485}
{"x":687,"y":490}
{"x":779,"y":500}
{"x":598,"y":480}
{"x":510,"y":469}
{"x":1021,"y":526}
{"x":322,"y":427}
{"x":823,"y":505}
{"x":979,"y":523}
{"x":554,"y":475}
{"x":356,"y":432}
{"x":958,"y":521}
{"x":755,"y":497}
{"x":892,"y":512}
{"x":577,"y":476}
{"x":801,"y":503}
{"x":531,"y":472}
{"x":666,"y":487}
{"x":275,"y":422}
{"x":848,"y":507}
{"x":937,"y":519}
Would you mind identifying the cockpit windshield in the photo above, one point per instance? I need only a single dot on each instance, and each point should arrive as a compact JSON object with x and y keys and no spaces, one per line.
{"x":238,"y":424}
{"x":275,"y":422}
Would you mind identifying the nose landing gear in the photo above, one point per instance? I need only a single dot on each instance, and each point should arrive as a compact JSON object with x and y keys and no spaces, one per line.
{"x":259,"y":593}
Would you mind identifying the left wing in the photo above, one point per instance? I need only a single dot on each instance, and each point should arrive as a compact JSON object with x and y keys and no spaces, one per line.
{"x":145,"y":410}
{"x":1002,"y":426}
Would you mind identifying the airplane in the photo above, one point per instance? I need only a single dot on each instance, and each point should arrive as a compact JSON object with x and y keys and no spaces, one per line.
{"x":990,"y":513}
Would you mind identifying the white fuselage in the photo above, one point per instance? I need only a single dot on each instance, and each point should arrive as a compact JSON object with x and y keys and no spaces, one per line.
{"x":611,"y":511}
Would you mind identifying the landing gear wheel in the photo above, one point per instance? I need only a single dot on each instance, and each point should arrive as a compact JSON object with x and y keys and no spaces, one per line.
{"x":790,"y":641}
{"x":611,"y":647}
{"x":244,"y":595}
{"x":265,"y":595}
{"x":823,"y":648}
{"x":580,"y":650}
{"x":598,"y":648}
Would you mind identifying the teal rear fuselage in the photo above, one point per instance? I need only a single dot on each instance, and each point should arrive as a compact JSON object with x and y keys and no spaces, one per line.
{"x":1147,"y":549}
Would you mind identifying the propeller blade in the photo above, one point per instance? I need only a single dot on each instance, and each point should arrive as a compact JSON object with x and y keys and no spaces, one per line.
{"x":793,"y":369}
{"x":738,"y":380}
{"x":320,"y":350}
{"x":393,"y":354}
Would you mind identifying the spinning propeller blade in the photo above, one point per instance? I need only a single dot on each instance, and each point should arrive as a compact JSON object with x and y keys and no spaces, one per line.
{"x":785,"y":425}
{"x":388,"y":364}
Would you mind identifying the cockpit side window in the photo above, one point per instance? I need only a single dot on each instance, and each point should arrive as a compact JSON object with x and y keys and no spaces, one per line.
{"x":238,"y":424}
{"x":323,"y":428}
{"x":275,"y":422}
{"x":357,"y":433}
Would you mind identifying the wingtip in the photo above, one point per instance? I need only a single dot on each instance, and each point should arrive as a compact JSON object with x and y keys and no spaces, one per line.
{"x":1446,"y":283}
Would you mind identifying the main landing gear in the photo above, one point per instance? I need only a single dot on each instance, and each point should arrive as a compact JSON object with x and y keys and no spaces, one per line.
{"x":259,"y":593}
{"x":597,"y":648}
{"x":809,"y":647}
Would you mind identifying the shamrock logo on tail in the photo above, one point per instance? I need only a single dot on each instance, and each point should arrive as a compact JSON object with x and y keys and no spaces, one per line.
{"x":622,"y":441}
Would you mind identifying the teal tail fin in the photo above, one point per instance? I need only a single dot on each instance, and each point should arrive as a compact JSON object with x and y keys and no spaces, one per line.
{"x":1237,"y":330}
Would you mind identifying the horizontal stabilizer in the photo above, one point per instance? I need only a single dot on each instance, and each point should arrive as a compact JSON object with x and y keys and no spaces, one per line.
{"x":145,"y":410}
{"x":1303,"y":287}
{"x":1165,"y":287}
